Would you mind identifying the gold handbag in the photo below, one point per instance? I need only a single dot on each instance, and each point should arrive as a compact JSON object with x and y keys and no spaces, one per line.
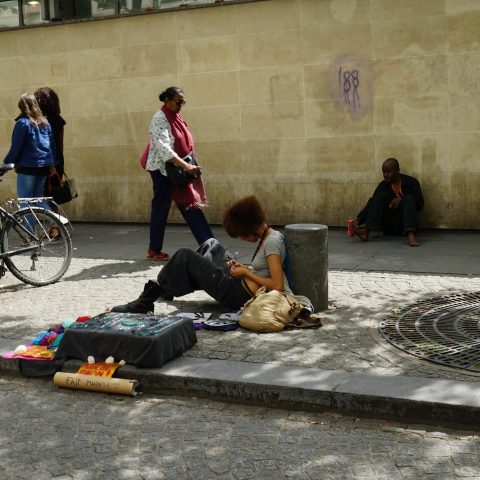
{"x":269,"y":311}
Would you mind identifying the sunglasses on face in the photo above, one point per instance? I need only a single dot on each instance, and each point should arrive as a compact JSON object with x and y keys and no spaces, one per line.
{"x":179,"y":102}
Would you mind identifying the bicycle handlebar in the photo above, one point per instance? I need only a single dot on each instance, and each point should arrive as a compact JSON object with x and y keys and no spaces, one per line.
{"x":5,"y":167}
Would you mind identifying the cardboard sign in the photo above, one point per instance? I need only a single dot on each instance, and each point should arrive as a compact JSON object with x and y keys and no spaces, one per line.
{"x":100,"y":369}
{"x":95,"y":384}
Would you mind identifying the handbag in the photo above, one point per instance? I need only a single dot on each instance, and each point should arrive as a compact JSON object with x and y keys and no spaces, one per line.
{"x":62,"y":191}
{"x":144,"y":157}
{"x":179,"y":176}
{"x":269,"y":311}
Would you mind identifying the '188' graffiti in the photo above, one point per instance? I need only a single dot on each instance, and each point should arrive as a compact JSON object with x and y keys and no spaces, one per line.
{"x":349,"y":84}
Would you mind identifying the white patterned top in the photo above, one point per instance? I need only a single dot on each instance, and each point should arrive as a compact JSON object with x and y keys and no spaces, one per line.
{"x":161,"y":143}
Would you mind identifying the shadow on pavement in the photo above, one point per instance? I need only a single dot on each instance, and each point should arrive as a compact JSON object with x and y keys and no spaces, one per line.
{"x":111,"y":269}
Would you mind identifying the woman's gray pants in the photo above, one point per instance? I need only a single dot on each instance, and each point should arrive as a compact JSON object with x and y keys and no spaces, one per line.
{"x":203,"y":269}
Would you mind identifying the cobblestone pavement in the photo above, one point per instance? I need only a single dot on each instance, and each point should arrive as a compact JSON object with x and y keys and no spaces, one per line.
{"x":63,"y":434}
{"x":348,"y":340}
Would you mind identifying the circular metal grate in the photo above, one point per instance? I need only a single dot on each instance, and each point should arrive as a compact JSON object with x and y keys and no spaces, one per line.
{"x":443,"y":330}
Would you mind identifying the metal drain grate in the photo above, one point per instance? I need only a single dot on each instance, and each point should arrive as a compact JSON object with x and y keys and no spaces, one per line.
{"x":443,"y":330}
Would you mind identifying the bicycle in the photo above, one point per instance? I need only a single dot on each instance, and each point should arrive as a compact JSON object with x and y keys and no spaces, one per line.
{"x":35,"y":245}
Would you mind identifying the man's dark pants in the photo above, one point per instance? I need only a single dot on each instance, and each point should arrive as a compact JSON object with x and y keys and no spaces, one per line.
{"x":377,"y":215}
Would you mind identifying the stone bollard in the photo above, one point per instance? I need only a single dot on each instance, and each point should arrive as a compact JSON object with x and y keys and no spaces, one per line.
{"x":307,"y":246}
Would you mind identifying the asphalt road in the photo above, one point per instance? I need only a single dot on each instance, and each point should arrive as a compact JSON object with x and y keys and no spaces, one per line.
{"x":49,"y":433}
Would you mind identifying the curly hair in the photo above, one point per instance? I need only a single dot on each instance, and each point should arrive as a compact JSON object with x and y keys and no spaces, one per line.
{"x":244,"y":217}
{"x":48,"y":101}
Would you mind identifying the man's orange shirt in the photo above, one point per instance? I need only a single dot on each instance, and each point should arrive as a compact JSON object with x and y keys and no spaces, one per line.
{"x":397,"y":189}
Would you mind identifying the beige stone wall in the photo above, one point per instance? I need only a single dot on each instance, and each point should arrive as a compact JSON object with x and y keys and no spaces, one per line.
{"x":268,"y":103}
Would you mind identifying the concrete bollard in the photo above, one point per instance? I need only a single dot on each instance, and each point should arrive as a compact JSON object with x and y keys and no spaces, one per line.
{"x":307,"y":246}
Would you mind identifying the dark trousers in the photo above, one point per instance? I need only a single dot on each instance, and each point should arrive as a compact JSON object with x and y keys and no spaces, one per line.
{"x":161,"y":203}
{"x":376,"y":215}
{"x":203,"y":269}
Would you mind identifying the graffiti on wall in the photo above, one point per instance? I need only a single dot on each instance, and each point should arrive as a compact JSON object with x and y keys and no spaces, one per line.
{"x":350,"y":84}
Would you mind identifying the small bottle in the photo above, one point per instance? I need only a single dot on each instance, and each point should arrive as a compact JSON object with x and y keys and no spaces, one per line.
{"x":350,"y":227}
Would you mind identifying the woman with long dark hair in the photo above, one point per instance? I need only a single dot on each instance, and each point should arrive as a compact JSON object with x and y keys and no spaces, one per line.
{"x":50,"y":105}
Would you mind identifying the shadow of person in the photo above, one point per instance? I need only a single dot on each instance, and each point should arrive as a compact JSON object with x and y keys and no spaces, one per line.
{"x":108,"y":270}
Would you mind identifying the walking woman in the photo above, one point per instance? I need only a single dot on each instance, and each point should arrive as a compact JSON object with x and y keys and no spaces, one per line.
{"x":170,"y":141}
{"x":32,"y":150}
{"x":215,"y":270}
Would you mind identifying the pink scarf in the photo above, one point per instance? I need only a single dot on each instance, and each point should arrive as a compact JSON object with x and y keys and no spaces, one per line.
{"x":193,"y":194}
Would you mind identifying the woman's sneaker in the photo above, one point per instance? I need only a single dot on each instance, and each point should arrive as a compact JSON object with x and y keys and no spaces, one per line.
{"x":159,"y":256}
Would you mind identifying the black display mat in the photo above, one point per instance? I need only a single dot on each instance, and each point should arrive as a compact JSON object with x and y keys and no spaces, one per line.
{"x":147,"y":341}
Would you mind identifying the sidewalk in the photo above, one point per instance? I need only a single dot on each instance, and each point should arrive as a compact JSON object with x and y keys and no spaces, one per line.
{"x":345,"y":365}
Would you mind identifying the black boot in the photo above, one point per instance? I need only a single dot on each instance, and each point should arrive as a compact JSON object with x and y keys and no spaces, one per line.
{"x":144,"y":303}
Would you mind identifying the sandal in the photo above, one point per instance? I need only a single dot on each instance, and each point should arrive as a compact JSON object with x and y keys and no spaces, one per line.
{"x":361,"y":232}
{"x":54,"y":232}
{"x":312,"y":322}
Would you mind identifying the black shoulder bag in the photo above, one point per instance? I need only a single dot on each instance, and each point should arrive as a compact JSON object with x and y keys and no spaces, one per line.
{"x":179,"y":176}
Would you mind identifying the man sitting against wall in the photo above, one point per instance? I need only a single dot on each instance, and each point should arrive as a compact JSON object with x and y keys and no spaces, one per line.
{"x":393,"y":207}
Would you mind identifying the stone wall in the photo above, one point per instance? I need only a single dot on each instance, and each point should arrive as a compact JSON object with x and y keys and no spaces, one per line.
{"x":297,"y":101}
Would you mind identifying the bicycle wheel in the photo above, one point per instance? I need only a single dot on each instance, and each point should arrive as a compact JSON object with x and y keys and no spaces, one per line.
{"x":49,"y":261}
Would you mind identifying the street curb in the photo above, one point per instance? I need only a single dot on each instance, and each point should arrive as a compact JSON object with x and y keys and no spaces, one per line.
{"x":394,"y":397}
{"x":408,"y":399}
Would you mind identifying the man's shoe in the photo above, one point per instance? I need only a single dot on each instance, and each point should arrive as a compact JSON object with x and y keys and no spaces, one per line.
{"x":159,"y":256}
{"x":144,"y":303}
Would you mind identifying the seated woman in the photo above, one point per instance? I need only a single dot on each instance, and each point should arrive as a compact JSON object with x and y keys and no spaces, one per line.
{"x":214,"y":269}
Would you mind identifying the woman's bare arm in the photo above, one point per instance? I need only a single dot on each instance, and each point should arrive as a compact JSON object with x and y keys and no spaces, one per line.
{"x":274,"y":282}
